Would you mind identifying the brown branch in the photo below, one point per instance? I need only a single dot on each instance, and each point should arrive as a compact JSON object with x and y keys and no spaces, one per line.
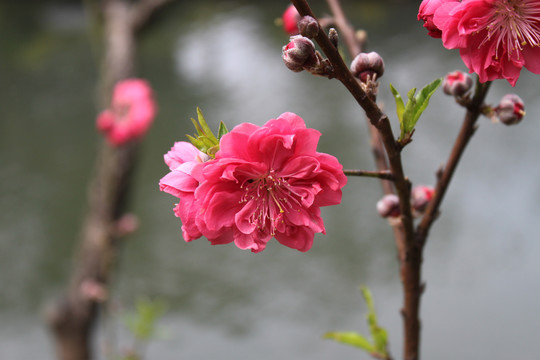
{"x":72,"y":318}
{"x":346,"y":30}
{"x":410,"y":254}
{"x":142,"y":11}
{"x":383,"y":175}
{"x":376,"y":117}
{"x":468,"y":128}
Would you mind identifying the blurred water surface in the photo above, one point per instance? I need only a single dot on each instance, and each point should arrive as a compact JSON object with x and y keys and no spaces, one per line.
{"x":481,"y":263}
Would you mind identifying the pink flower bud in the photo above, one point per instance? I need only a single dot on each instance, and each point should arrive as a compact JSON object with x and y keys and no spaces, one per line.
{"x":420,"y":197}
{"x":457,"y":83}
{"x":308,"y":27}
{"x":299,"y":53}
{"x":510,"y":110}
{"x":290,"y":20}
{"x":367,"y":64}
{"x":388,"y":206}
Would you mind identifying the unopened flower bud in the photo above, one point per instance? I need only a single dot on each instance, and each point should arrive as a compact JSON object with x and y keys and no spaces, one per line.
{"x":420,"y":197}
{"x":367,"y":64}
{"x":457,"y":83}
{"x":388,"y":206}
{"x":308,"y":27}
{"x":299,"y":53}
{"x":290,"y":20}
{"x":334,"y":37}
{"x":510,"y":110}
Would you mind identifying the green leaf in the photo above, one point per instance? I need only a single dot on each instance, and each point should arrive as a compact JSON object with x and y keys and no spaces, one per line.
{"x":400,"y":107}
{"x":351,"y":338}
{"x":422,"y":99}
{"x":205,"y":140}
{"x":222,"y":130}
{"x":207,"y":131}
{"x":142,"y":322}
{"x":379,"y":334}
{"x":414,"y":108}
{"x":196,"y":142}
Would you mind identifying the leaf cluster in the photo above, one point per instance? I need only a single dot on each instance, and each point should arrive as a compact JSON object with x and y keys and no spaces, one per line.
{"x":205,"y":140}
{"x":408,"y":114}
{"x":377,"y":344}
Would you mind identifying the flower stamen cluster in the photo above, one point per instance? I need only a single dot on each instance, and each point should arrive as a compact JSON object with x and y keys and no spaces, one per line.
{"x":496,"y":38}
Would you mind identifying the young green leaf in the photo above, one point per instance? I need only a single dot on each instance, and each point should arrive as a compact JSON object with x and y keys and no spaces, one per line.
{"x":222,"y":129}
{"x":378,"y":334}
{"x":142,"y":322}
{"x":206,"y":129}
{"x":351,"y":338}
{"x":400,"y":106}
{"x":415,"y":107}
{"x":422,"y":99}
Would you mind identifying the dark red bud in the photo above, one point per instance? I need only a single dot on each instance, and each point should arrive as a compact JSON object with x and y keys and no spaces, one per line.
{"x":308,"y":27}
{"x":457,"y":83}
{"x":420,"y":197}
{"x":367,"y":65}
{"x":299,"y":53}
{"x":388,"y":206}
{"x":511,"y":109}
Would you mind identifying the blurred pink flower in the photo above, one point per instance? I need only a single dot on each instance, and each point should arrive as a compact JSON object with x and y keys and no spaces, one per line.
{"x":185,"y":162}
{"x":264,"y":182}
{"x":290,"y":20}
{"x":496,"y":38}
{"x":131,"y":112}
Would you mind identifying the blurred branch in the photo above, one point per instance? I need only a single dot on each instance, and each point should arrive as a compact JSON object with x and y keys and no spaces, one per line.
{"x":142,"y":11}
{"x":72,"y":318}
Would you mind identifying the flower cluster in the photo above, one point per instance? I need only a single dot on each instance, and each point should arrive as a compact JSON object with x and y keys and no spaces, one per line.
{"x":495,"y":38}
{"x":130,"y":114}
{"x":264,"y":182}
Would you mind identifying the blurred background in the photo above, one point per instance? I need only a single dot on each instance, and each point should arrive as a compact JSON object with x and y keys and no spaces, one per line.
{"x":482,"y":260}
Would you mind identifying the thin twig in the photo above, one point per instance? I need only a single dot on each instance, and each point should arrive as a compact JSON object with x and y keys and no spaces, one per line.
{"x":383,"y":175}
{"x":410,"y":255}
{"x":376,"y":116}
{"x":474,"y":110}
{"x":345,"y":29}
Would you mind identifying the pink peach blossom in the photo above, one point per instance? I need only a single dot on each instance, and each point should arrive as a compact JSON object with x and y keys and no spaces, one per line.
{"x":131,"y":112}
{"x":185,"y":162}
{"x":427,"y":11}
{"x":495,"y":38}
{"x":265,"y":181}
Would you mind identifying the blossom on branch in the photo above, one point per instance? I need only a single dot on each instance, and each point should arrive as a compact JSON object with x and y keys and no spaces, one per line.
{"x":264,"y":182}
{"x":130,"y":114}
{"x":185,"y":162}
{"x":496,"y":38}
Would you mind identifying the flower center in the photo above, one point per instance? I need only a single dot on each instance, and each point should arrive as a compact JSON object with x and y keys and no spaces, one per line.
{"x":515,"y":23}
{"x":273,"y":198}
